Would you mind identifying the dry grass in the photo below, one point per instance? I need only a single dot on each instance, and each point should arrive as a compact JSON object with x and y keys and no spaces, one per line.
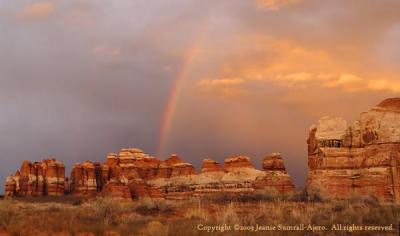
{"x":104,"y":216}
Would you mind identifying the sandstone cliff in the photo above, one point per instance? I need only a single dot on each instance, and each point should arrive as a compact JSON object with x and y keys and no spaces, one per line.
{"x":45,"y":178}
{"x":361,"y":158}
{"x":173,"y":178}
{"x":132,"y":174}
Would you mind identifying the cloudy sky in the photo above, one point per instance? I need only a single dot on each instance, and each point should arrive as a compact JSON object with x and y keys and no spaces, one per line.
{"x":81,"y":78}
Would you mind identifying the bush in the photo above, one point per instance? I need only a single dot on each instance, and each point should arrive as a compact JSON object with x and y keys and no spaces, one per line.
{"x":221,"y":198}
{"x":315,"y":194}
{"x":77,"y":202}
{"x":266,"y":194}
{"x":299,"y":195}
{"x":8,"y":213}
{"x":340,"y":206}
{"x":371,"y":200}
{"x":106,"y":210}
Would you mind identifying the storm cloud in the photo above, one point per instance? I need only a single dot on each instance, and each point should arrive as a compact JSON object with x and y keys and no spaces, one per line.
{"x":79,"y":79}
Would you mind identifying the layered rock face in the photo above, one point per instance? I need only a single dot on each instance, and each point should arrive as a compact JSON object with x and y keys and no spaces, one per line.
{"x":45,"y":178}
{"x":236,"y":176}
{"x":361,"y":158}
{"x":86,"y":179}
{"x":132,"y":174}
{"x":131,"y":169}
{"x":276,"y":175}
{"x":116,"y":190}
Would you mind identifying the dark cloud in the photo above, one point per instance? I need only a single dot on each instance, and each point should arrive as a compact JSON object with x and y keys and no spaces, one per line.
{"x":83,"y":78}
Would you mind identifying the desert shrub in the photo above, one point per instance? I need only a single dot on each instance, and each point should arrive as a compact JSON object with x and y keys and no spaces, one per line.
{"x":266,"y":194}
{"x":355,"y":198}
{"x":155,"y":228}
{"x":197,"y":212}
{"x":186,"y":227}
{"x":106,"y":210}
{"x":339,"y":206}
{"x":220,"y":198}
{"x":350,"y":215}
{"x":299,"y":195}
{"x":148,"y":206}
{"x":8,"y":213}
{"x":381,"y":215}
{"x":53,"y":208}
{"x":315,"y":194}
{"x":370,"y":200}
{"x":105,"y":215}
{"x":77,"y":202}
{"x":228,"y":214}
{"x":321,"y":218}
{"x":145,"y":206}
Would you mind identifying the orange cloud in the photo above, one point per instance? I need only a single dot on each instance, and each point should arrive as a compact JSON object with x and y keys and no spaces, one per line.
{"x":347,"y":82}
{"x":384,"y":85}
{"x":223,"y":88}
{"x":274,"y":4}
{"x":217,"y":82}
{"x":304,"y":76}
{"x":39,"y":10}
{"x":288,"y":63}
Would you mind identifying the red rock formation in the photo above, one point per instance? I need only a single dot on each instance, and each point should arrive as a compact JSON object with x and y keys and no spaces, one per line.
{"x":134,"y":174}
{"x":235,"y":162}
{"x":84,"y":179}
{"x":138,"y":188}
{"x":210,"y":166}
{"x":165,"y":167}
{"x":112,"y":160}
{"x":276,"y":175}
{"x":182,"y":169}
{"x":53,"y":179}
{"x":173,"y":159}
{"x":361,"y":158}
{"x":10,"y":189}
{"x":117,"y":190}
{"x":45,"y":178}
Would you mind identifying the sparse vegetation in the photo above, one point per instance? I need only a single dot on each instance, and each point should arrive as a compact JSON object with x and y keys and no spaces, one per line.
{"x":102,"y":216}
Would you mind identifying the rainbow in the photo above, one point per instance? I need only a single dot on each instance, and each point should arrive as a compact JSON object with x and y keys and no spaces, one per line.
{"x":181,"y":75}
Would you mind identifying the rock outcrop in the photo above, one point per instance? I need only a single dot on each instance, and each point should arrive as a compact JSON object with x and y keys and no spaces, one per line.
{"x":361,"y":158}
{"x":10,"y":189}
{"x":344,"y":159}
{"x":45,"y":178}
{"x":210,"y":166}
{"x":86,"y":179}
{"x":276,"y":176}
{"x":116,"y":189}
{"x":237,"y":176}
{"x":133,"y":174}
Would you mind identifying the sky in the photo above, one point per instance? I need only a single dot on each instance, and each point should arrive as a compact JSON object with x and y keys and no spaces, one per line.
{"x":203,"y":79}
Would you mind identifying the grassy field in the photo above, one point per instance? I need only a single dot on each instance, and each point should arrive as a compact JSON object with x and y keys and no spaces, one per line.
{"x":221,"y":215}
